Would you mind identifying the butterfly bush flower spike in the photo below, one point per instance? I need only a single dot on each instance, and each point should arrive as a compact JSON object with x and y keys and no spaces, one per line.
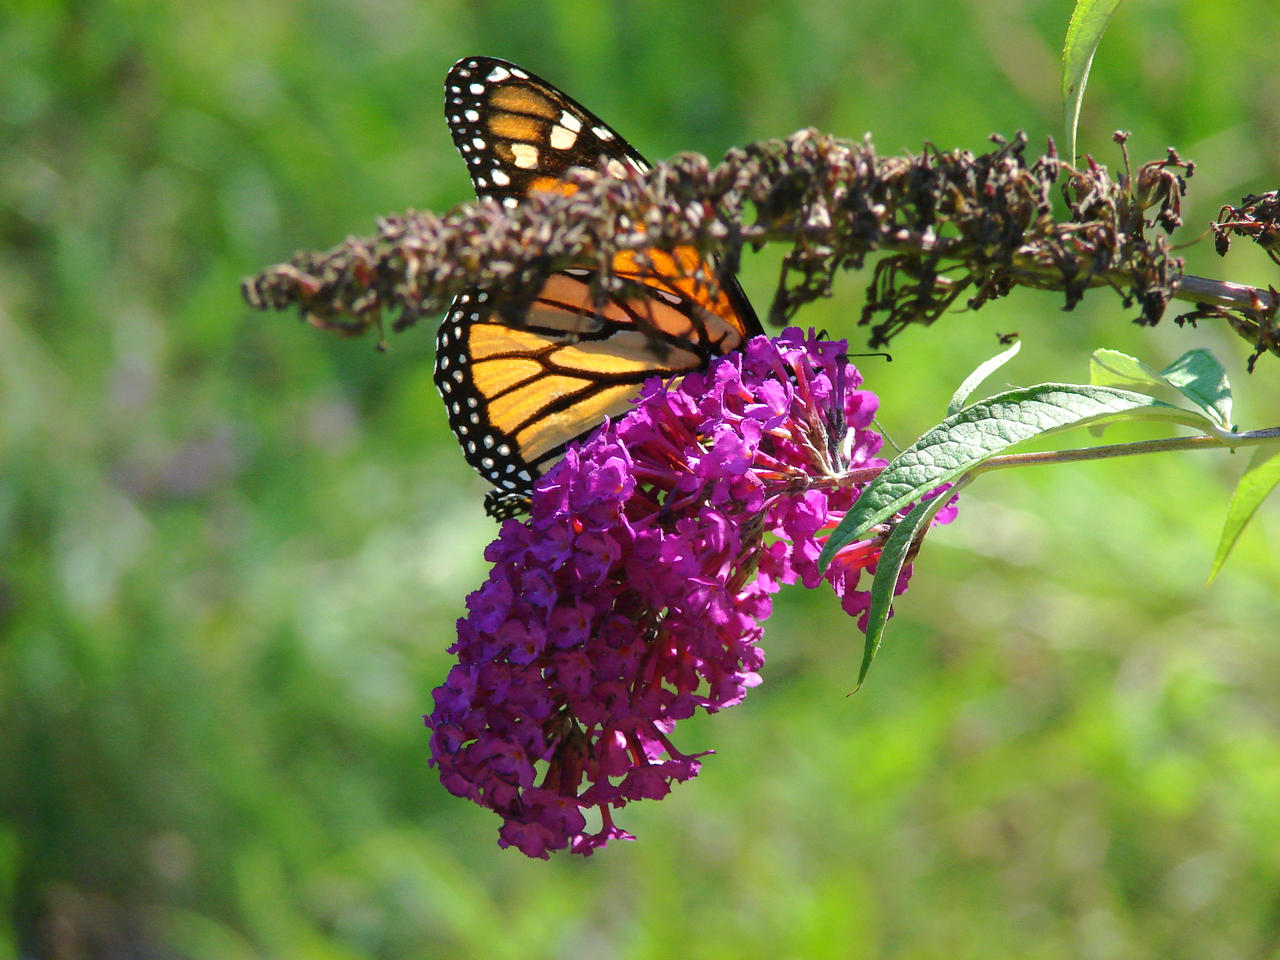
{"x":634,"y":594}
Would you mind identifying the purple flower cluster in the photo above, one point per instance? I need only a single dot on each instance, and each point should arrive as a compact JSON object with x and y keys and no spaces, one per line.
{"x":635,"y":592}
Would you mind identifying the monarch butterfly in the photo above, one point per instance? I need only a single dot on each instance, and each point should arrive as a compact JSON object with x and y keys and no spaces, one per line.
{"x":517,"y":393}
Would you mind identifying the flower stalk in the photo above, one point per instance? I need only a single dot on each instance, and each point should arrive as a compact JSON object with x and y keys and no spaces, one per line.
{"x":950,"y":228}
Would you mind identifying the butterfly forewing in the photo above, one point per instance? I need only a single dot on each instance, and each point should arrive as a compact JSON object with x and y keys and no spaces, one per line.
{"x":519,"y":134}
{"x":517,"y":392}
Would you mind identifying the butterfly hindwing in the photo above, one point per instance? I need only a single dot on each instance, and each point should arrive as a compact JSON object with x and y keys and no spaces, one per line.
{"x":517,"y":392}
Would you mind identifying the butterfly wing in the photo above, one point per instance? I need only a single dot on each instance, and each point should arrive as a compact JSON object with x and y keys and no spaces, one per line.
{"x":519,"y":134}
{"x":517,"y":393}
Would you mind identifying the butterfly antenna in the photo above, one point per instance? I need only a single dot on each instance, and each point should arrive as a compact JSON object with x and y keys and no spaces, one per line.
{"x":885,"y":433}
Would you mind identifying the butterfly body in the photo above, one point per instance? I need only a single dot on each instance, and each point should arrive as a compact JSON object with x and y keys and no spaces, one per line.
{"x":517,"y":392}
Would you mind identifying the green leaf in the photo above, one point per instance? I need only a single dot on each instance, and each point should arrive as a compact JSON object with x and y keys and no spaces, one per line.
{"x":983,"y":371}
{"x":893,"y":557}
{"x":966,"y":439}
{"x":1259,"y":479}
{"x":1111,"y":368}
{"x":1199,"y":377}
{"x":1196,"y":375}
{"x":1089,"y":22}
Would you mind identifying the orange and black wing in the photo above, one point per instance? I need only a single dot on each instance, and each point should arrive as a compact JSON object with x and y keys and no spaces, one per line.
{"x":517,"y":393}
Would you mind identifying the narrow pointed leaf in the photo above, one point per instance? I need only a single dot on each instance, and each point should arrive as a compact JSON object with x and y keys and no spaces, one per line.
{"x":1089,"y":22}
{"x":1259,"y":479}
{"x":893,"y":557}
{"x":985,"y":429}
{"x":983,"y":371}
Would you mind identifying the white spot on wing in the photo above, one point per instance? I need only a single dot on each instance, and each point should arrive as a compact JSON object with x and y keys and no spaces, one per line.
{"x":500,"y":178}
{"x":526,"y":155}
{"x":498,"y":75}
{"x":562,"y":138}
{"x":604,"y":133}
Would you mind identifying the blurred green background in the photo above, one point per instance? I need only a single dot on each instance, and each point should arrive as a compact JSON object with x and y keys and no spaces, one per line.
{"x":232,"y":549}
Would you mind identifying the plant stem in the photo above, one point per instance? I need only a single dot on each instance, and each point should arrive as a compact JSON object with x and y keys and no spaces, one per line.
{"x":1247,"y":439}
{"x":1223,"y":293}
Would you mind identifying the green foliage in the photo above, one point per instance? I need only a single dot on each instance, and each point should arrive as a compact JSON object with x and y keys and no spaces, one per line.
{"x":1196,"y":376}
{"x":1089,"y":20}
{"x":954,"y":450}
{"x":980,"y":374}
{"x":893,"y":557}
{"x":966,"y":440}
{"x":1256,"y":484}
{"x":232,"y":551}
